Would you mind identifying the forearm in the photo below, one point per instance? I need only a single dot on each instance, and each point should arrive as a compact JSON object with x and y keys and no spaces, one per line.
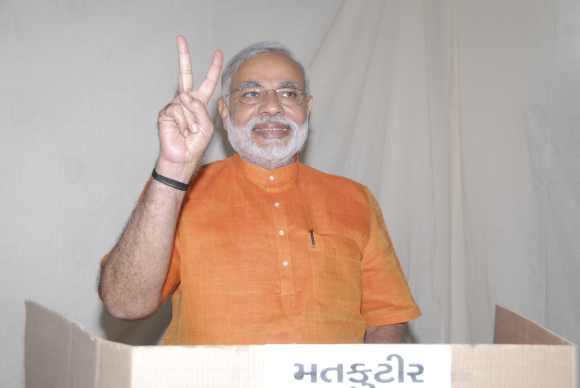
{"x":386,"y":334}
{"x":133,"y":275}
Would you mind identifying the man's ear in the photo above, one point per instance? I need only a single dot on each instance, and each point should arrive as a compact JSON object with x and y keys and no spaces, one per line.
{"x":309,"y":104}
{"x":223,"y":109}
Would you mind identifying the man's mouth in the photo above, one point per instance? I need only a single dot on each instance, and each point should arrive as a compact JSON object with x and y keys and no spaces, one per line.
{"x":271,"y":130}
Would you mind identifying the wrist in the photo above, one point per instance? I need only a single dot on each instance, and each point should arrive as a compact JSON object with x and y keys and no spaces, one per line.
{"x":177,"y":185}
{"x":177,"y":171}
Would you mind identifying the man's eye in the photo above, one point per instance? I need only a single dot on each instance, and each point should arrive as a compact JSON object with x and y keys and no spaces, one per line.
{"x":288,"y":93}
{"x":250,"y":94}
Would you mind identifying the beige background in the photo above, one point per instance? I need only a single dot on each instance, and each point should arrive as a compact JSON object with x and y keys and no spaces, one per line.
{"x":461,"y":116}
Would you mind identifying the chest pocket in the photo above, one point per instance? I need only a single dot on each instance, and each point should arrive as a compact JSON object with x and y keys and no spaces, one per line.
{"x":336,"y":274}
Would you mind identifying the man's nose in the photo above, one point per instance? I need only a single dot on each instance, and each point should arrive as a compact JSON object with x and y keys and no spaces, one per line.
{"x":271,"y":103}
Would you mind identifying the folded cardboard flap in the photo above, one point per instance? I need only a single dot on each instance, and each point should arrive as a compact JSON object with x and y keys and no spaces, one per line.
{"x":60,"y":354}
{"x":524,"y":354}
{"x":511,"y":328}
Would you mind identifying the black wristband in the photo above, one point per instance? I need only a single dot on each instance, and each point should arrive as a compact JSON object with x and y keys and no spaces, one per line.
{"x":169,"y":182}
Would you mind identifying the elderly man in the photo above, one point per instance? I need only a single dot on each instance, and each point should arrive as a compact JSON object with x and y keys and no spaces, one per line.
{"x":256,"y":248}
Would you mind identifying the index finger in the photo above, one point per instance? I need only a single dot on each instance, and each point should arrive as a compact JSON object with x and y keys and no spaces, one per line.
{"x":185,"y":73}
{"x":208,"y":85}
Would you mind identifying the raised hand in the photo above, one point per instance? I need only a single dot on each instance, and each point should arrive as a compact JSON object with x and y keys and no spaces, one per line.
{"x":185,"y":126}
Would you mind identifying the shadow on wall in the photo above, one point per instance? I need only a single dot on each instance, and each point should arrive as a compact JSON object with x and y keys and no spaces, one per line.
{"x":147,"y":331}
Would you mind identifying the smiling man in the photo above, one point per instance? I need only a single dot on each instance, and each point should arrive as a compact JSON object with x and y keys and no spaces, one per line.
{"x":267,"y":123}
{"x":257,"y":248}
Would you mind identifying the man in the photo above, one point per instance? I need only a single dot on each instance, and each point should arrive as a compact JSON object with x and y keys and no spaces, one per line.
{"x":257,"y":248}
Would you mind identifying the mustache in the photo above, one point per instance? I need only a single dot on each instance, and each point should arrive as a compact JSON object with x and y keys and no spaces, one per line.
{"x":271,"y":120}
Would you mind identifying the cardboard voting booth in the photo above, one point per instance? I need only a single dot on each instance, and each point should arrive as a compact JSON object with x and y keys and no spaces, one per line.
{"x":60,"y":354}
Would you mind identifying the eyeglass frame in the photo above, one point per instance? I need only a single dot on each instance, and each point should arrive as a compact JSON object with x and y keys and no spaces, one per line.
{"x":264,"y":92}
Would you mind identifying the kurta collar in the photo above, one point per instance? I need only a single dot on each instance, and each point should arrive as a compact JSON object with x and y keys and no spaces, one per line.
{"x":279,"y":179}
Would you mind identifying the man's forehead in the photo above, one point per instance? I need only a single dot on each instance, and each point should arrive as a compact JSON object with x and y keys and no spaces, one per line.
{"x":269,"y":70}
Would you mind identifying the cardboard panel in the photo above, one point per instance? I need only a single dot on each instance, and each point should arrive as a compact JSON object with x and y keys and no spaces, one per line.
{"x":46,"y":348}
{"x":83,"y":351}
{"x":114,"y":365}
{"x":59,"y":354}
{"x":514,"y":366}
{"x":511,"y":328}
{"x":197,"y":366}
{"x":287,"y":366}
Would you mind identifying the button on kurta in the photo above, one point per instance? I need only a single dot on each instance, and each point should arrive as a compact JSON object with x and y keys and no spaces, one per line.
{"x":281,"y":232}
{"x":285,"y":263}
{"x":276,"y":204}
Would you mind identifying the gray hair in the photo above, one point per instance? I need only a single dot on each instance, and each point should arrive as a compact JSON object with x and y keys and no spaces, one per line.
{"x":251,"y":51}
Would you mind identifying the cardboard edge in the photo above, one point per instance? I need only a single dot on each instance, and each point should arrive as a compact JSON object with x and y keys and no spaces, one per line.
{"x":512,"y":328}
{"x":43,"y":356}
{"x":114,"y":365}
{"x":58,"y":352}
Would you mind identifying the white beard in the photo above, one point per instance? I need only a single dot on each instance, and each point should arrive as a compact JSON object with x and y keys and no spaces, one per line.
{"x":275,"y":152}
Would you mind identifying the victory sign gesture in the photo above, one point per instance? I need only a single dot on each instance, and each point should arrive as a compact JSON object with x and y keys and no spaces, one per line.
{"x":132,"y":276}
{"x":185,"y":126}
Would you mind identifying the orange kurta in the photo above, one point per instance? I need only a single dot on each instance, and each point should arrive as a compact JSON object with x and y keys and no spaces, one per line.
{"x":291,"y":255}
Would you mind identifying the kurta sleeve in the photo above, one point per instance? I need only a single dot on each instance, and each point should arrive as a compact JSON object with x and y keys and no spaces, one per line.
{"x":387,"y":298}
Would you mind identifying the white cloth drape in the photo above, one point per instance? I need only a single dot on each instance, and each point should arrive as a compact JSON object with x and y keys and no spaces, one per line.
{"x":461,"y":116}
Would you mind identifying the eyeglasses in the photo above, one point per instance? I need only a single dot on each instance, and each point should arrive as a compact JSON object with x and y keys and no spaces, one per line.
{"x":289,"y":97}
